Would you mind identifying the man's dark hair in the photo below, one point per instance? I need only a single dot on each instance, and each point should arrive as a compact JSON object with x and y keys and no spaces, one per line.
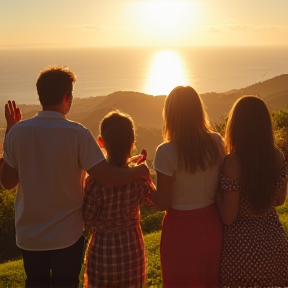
{"x":53,"y":83}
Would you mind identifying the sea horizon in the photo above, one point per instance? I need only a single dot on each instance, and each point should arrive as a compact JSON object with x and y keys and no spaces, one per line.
{"x":149,"y":70}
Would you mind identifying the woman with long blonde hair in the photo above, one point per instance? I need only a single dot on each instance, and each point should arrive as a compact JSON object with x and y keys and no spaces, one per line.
{"x":188,"y":167}
{"x":253,"y":182}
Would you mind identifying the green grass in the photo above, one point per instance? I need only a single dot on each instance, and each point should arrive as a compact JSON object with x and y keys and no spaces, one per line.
{"x":152,"y":242}
{"x":12,"y":272}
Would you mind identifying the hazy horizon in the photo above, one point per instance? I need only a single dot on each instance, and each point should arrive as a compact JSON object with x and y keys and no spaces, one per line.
{"x":102,"y":71}
{"x":143,"y":46}
{"x":51,"y":32}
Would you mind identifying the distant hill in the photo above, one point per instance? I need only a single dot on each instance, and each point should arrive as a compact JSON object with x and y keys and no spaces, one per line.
{"x":278,"y":100}
{"x":146,"y":110}
{"x":274,"y":92}
{"x":265,"y":88}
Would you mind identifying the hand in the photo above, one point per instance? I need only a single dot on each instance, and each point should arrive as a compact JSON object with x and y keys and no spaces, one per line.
{"x":144,"y":171}
{"x":134,"y":159}
{"x":12,"y":114}
{"x":144,"y":156}
{"x":138,"y":159}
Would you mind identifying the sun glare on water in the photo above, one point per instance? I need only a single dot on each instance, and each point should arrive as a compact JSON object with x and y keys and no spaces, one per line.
{"x":167,"y":71}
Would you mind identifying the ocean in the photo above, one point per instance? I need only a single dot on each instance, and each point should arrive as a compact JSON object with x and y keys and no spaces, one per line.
{"x":155,"y":71}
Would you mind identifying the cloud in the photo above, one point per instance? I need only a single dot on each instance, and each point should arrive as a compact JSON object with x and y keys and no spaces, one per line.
{"x":226,"y":26}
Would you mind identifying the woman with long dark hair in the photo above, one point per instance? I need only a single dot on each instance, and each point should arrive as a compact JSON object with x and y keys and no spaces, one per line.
{"x":188,"y":167}
{"x":253,"y":182}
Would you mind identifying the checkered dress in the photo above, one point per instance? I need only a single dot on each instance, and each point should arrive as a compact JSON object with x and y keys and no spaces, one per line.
{"x":115,"y":256}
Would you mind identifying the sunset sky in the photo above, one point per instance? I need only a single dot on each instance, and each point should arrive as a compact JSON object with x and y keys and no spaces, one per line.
{"x":165,"y":23}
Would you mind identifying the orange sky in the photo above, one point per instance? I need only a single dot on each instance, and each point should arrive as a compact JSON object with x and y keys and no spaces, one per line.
{"x":165,"y":23}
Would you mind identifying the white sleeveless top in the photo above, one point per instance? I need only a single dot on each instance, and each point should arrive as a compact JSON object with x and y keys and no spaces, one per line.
{"x":189,"y":191}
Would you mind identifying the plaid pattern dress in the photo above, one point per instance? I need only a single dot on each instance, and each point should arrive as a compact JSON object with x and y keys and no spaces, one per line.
{"x":115,"y":256}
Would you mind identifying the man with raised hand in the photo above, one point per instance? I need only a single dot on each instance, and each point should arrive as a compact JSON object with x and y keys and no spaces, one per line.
{"x":48,"y":156}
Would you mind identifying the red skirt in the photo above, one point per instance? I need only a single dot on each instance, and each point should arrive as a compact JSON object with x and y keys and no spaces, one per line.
{"x":190,"y":249}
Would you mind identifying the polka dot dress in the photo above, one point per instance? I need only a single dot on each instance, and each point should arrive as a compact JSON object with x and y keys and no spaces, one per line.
{"x":255,"y":248}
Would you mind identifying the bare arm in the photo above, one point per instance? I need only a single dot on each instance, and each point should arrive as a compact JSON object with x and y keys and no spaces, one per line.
{"x":228,"y":206}
{"x":111,"y":176}
{"x":8,"y":176}
{"x":228,"y":201}
{"x":162,"y":197}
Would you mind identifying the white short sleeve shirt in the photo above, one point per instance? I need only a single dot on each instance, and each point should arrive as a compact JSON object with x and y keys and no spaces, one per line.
{"x":51,"y":155}
{"x":189,"y":191}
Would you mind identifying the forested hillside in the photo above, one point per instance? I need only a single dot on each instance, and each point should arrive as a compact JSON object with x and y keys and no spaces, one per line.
{"x":146,"y":110}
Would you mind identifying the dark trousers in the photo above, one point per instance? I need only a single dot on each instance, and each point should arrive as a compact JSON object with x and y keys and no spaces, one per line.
{"x":54,"y":268}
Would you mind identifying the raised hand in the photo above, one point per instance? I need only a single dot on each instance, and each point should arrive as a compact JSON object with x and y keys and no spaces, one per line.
{"x":12,"y":114}
{"x":143,"y":156}
{"x":138,"y":159}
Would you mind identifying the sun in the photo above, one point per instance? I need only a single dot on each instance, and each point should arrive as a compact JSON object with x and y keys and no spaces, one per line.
{"x":166,"y":18}
{"x":167,"y":71}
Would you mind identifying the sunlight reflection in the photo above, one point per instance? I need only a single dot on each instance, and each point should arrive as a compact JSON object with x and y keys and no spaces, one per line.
{"x":167,"y":72}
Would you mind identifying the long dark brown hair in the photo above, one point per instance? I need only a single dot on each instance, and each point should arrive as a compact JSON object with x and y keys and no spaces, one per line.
{"x":118,"y":132}
{"x":187,"y":125}
{"x":249,"y":134}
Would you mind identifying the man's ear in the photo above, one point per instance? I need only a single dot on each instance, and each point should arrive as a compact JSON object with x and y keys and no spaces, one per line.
{"x":100,"y":142}
{"x":66,"y":98}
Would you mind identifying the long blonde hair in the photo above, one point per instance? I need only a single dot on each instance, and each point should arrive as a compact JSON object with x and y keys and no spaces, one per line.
{"x":187,"y":125}
{"x":249,"y":134}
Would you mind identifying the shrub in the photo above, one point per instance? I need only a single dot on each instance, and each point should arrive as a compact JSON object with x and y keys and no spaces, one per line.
{"x":280,"y":122}
{"x":283,"y":216}
{"x":9,"y":250}
{"x":220,"y":126}
{"x":147,"y":210}
{"x":280,"y":118}
{"x":281,"y":139}
{"x":12,"y":274}
{"x":152,"y":222}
